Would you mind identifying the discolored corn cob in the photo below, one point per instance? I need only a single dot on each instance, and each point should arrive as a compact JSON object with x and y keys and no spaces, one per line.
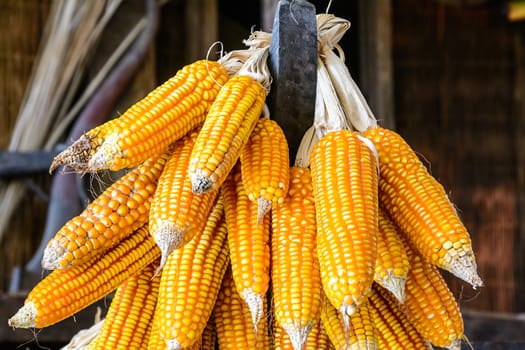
{"x":419,"y":205}
{"x":228,"y":125}
{"x":177,"y":213}
{"x":77,"y":155}
{"x":317,"y":338}
{"x":118,"y":211}
{"x":394,"y":330}
{"x":392,"y":261}
{"x":344,"y":178}
{"x":127,"y":321}
{"x":163,"y":116}
{"x":430,"y":305}
{"x":190,"y":283}
{"x":249,"y":244}
{"x":358,"y":334}
{"x":296,"y":280}
{"x":63,"y":293}
{"x":233,"y":321}
{"x":265,"y":165}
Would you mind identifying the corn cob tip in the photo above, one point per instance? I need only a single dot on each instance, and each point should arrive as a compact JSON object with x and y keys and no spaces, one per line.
{"x":255,"y":304}
{"x":348,"y":309}
{"x":74,"y":156}
{"x":465,"y":268}
{"x":263,"y":207}
{"x":298,"y":333}
{"x":103,"y":158}
{"x":200,"y":183}
{"x":52,"y":255}
{"x":173,"y":344}
{"x":395,"y":285}
{"x":455,"y":345}
{"x":25,"y":316}
{"x":168,"y":237}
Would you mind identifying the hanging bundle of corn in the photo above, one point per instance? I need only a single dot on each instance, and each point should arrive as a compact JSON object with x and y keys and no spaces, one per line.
{"x":342,"y":250}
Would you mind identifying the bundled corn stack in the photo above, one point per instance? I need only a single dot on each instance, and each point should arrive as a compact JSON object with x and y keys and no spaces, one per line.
{"x":214,"y":239}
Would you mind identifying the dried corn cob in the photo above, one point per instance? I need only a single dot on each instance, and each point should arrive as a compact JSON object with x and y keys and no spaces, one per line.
{"x":63,"y":293}
{"x":358,"y":334}
{"x":190,"y":282}
{"x":296,"y":280}
{"x":229,"y":123}
{"x":419,"y":205}
{"x":77,"y":155}
{"x":177,"y":213}
{"x":265,"y":165}
{"x":249,"y":244}
{"x":233,"y":321}
{"x":394,"y":330}
{"x":430,"y":305}
{"x":392,"y":261}
{"x":117,"y":212}
{"x":126,"y":325}
{"x":344,"y":178}
{"x":163,"y":116}
{"x":317,"y":338}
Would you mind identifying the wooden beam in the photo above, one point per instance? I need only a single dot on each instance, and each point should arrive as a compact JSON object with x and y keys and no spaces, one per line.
{"x":375,"y":53}
{"x":202,"y":28}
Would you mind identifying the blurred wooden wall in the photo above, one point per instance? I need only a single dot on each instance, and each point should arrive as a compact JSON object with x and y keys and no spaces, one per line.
{"x":459,"y":89}
{"x":22,"y":24}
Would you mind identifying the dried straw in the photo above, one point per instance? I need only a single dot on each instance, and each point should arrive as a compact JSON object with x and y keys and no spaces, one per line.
{"x":72,"y":30}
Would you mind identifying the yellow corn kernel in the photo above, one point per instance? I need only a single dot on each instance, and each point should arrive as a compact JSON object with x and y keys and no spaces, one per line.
{"x":190,"y":283}
{"x":265,"y":165}
{"x":249,"y":244}
{"x":392,"y":261}
{"x":357,"y":334}
{"x":233,"y":323}
{"x":117,"y":212}
{"x":394,"y":330}
{"x":344,"y":178}
{"x":177,"y":213}
{"x":130,"y":313}
{"x":430,"y":305}
{"x":420,"y":207}
{"x":296,"y":280}
{"x":63,"y":293}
